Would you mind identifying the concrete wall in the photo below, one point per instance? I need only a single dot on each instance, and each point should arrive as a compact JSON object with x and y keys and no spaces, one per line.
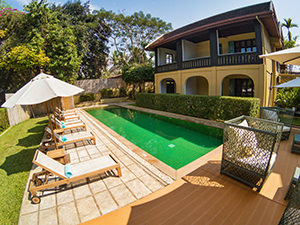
{"x":188,"y":50}
{"x":93,"y":85}
{"x":192,"y":50}
{"x":162,"y":55}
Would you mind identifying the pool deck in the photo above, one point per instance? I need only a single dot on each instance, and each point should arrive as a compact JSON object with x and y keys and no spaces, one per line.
{"x":145,"y":195}
{"x":207,"y":197}
{"x":88,"y":199}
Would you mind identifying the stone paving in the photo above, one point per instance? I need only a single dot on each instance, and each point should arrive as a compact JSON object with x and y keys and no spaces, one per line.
{"x":96,"y":196}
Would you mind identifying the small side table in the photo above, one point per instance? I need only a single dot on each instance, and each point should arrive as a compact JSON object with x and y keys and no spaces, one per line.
{"x":296,"y":144}
{"x":293,"y":183}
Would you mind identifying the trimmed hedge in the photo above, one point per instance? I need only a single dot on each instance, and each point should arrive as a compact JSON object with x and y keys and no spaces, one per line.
{"x":4,"y":123}
{"x":113,"y":92}
{"x":219,"y":108}
{"x":87,"y":97}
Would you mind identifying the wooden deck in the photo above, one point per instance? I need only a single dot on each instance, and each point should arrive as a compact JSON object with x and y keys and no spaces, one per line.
{"x":207,"y":197}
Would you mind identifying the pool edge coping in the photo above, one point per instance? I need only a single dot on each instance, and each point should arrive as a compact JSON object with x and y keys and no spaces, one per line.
{"x":163,"y":167}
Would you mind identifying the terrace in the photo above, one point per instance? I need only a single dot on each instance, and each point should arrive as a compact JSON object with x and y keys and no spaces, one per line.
{"x":145,"y":195}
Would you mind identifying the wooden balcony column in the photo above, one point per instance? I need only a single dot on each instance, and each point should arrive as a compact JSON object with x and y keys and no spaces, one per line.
{"x":179,"y":54}
{"x":258,"y":39}
{"x":213,"y":40}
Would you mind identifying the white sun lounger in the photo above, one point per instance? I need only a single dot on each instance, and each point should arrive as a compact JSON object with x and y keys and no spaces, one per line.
{"x":80,"y":171}
{"x":70,"y":139}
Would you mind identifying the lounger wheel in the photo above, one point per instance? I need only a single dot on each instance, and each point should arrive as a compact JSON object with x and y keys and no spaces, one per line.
{"x":35,"y":199}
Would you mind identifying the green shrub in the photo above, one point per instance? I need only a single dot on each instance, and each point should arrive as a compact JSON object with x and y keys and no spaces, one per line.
{"x":113,"y":92}
{"x":218,"y":108}
{"x":87,"y":97}
{"x":288,"y":98}
{"x":4,"y":124}
{"x":122,"y":92}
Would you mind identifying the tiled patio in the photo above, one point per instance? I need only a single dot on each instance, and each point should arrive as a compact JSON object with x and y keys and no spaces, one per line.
{"x":91,"y":198}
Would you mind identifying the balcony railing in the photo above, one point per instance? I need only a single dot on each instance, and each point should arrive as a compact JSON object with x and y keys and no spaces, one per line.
{"x":239,"y":59}
{"x":166,"y":67}
{"x":222,"y":60}
{"x":196,"y":63}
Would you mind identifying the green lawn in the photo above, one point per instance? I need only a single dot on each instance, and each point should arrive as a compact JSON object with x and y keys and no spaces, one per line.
{"x":17,"y":147}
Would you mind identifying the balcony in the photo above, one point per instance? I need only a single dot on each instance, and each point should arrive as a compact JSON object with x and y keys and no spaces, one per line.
{"x":222,"y":60}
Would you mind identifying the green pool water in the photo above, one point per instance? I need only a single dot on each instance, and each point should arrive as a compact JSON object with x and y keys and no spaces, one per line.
{"x":172,"y":141}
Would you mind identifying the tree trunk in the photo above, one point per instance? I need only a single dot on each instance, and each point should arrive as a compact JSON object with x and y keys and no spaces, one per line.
{"x":133,"y":91}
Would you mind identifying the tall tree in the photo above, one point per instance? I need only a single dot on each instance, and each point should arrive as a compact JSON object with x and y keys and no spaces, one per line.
{"x":4,"y":4}
{"x":32,"y":41}
{"x":288,"y":25}
{"x":131,"y":34}
{"x":91,"y":34}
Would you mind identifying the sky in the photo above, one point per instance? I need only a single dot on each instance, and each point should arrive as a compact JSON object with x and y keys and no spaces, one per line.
{"x":183,"y":12}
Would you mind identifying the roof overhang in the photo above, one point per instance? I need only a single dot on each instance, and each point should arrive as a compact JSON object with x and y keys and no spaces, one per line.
{"x":268,"y":18}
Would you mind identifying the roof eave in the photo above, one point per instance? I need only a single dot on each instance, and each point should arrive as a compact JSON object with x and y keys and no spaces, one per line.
{"x":161,"y":40}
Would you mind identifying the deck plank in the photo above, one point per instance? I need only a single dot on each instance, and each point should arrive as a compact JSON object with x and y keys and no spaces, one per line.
{"x":207,"y":197}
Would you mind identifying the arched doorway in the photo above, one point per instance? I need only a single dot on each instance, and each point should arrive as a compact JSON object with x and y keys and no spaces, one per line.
{"x":196,"y":85}
{"x":167,"y":86}
{"x":237,"y":85}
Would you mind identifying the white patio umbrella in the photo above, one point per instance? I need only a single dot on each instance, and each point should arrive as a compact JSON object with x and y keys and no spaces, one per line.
{"x":287,"y":56}
{"x":290,"y":84}
{"x":40,"y":89}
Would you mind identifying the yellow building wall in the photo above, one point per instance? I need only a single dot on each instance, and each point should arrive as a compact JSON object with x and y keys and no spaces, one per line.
{"x":259,"y":73}
{"x":215,"y":77}
{"x":224,"y":41}
{"x":203,"y":49}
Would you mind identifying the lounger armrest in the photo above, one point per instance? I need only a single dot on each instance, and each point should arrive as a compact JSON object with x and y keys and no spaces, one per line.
{"x":59,"y":131}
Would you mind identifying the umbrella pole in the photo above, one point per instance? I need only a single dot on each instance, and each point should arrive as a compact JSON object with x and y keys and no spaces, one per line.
{"x":51,"y":127}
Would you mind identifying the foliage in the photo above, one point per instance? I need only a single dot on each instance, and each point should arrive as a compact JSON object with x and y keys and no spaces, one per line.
{"x":131,"y":34}
{"x":288,"y":98}
{"x":290,"y":44}
{"x":35,"y":40}
{"x":20,"y":64}
{"x":17,"y":147}
{"x":138,"y":75}
{"x":87,"y":97}
{"x":3,"y":4}
{"x":218,"y":108}
{"x":4,"y":123}
{"x":60,"y":47}
{"x":288,"y":25}
{"x":113,"y":92}
{"x":91,"y":34}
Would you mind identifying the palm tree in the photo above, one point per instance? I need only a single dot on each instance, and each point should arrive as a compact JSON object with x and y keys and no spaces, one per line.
{"x":288,"y":24}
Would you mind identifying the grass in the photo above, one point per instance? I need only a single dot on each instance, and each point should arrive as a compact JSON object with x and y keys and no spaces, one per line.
{"x":17,"y":147}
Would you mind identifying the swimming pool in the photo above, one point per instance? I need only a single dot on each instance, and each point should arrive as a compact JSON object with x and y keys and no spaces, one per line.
{"x":174,"y":142}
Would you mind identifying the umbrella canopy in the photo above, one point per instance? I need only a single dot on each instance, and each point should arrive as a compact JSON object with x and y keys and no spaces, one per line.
{"x":40,"y":89}
{"x":288,"y":56}
{"x":290,"y":84}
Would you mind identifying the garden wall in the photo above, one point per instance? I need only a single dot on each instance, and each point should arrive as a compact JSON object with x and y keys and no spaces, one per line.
{"x":93,"y":85}
{"x":219,"y":108}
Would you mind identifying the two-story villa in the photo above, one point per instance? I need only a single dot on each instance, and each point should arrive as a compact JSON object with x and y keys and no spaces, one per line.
{"x":219,"y":55}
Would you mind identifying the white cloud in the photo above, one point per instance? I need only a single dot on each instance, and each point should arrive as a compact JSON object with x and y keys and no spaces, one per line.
{"x":93,"y":7}
{"x":23,"y":2}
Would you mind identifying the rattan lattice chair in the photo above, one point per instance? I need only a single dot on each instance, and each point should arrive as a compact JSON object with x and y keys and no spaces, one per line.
{"x":278,"y":114}
{"x":291,"y":214}
{"x":250,"y":148}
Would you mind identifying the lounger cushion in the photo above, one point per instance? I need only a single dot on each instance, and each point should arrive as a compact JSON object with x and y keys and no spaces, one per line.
{"x":50,"y":164}
{"x":92,"y":165}
{"x":78,"y":135}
